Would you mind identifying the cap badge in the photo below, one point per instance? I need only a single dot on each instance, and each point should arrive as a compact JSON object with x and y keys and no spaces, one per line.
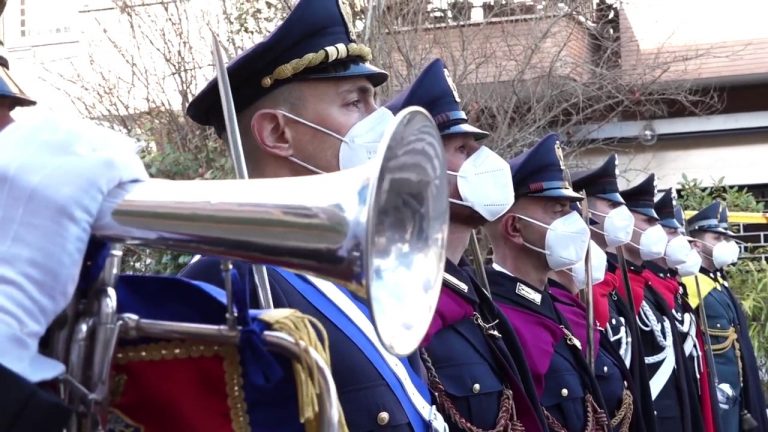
{"x":346,"y":12}
{"x":452,"y":85}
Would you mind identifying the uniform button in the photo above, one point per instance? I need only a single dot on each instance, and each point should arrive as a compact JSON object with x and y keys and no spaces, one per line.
{"x":613,"y":321}
{"x":625,"y":384}
{"x":605,"y":369}
{"x":476,"y":388}
{"x":718,"y":325}
{"x":383,"y":418}
{"x":564,"y":392}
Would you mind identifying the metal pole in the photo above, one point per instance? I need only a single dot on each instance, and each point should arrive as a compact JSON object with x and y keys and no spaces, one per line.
{"x":708,"y":354}
{"x":589,"y":301}
{"x":260,"y":278}
{"x":477,"y":261}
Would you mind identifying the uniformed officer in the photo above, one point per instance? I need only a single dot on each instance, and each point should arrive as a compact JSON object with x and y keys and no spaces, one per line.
{"x":298,"y":94}
{"x":741,"y":401}
{"x":613,"y":229}
{"x":707,"y":386}
{"x":539,"y":234}
{"x":612,"y":375}
{"x":478,"y":378}
{"x":661,"y":275}
{"x":663,"y":351}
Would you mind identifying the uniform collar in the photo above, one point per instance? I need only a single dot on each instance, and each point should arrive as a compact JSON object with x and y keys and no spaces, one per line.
{"x":509,"y":289}
{"x":660,"y":271}
{"x":460,"y":281}
{"x":637,"y":268}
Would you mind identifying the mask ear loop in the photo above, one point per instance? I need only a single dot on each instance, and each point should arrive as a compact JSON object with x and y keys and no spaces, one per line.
{"x":454,"y":200}
{"x":710,"y":256}
{"x":305,"y":165}
{"x":313,"y":126}
{"x":545,"y":252}
{"x":593,"y":227}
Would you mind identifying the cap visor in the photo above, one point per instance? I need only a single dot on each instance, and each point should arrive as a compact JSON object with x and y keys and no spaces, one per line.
{"x":568,"y":194}
{"x":670,"y":223}
{"x":645,"y":211}
{"x":346,"y":69}
{"x":615,"y":197}
{"x":716,"y":230}
{"x":464,"y":128}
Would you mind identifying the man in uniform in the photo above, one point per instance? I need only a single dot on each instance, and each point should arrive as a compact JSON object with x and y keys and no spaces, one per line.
{"x":661,"y":276}
{"x":298,"y":94}
{"x":477,"y":377}
{"x":539,"y":234}
{"x":611,"y":372}
{"x":741,"y":401}
{"x":664,"y":356}
{"x":613,"y":229}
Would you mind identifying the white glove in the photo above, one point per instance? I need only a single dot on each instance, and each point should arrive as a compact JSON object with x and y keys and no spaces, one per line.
{"x":55,"y":178}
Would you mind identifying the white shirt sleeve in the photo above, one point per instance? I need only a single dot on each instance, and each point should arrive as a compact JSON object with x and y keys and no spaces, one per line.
{"x":54,"y":178}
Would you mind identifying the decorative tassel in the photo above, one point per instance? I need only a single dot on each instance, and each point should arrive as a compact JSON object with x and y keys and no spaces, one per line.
{"x":308,"y":330}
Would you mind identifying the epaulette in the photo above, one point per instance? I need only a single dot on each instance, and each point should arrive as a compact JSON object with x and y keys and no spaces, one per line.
{"x":454,"y":283}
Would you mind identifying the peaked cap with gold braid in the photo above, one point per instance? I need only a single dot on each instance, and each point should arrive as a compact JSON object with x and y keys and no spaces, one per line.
{"x":315,"y":41}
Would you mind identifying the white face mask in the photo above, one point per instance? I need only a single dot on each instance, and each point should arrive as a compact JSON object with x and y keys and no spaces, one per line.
{"x":734,"y":250}
{"x":692,"y":264}
{"x":677,"y":251}
{"x":566,"y":241}
{"x":598,"y":262}
{"x":722,"y":254}
{"x":653,"y":243}
{"x":360,"y":144}
{"x":617,"y":226}
{"x":485,"y":184}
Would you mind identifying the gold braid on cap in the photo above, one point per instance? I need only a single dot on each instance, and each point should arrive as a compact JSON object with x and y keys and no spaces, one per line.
{"x":327,"y":54}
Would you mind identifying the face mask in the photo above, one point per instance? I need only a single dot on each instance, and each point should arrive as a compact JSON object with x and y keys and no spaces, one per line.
{"x":598,"y":262}
{"x":566,"y":242}
{"x":653,"y":243}
{"x":617,"y":226}
{"x":485,"y":184}
{"x":692,"y":264}
{"x":734,"y":250}
{"x":360,"y":144}
{"x":677,"y":251}
{"x":722,"y":254}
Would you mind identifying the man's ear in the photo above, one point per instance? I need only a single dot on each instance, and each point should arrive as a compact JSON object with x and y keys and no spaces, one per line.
{"x":272,"y":133}
{"x":696,"y":244}
{"x":510,"y":226}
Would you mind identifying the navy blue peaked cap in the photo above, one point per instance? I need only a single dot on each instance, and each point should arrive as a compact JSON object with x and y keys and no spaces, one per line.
{"x":639,"y":198}
{"x":665,"y":209}
{"x":600,"y":182}
{"x":709,"y":219}
{"x":680,"y":218}
{"x":9,"y":88}
{"x":540,"y":171}
{"x":435,"y":91}
{"x":319,"y":31}
{"x":723,"y":220}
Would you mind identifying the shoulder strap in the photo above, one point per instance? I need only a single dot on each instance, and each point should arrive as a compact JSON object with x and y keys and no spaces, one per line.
{"x":352,"y":318}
